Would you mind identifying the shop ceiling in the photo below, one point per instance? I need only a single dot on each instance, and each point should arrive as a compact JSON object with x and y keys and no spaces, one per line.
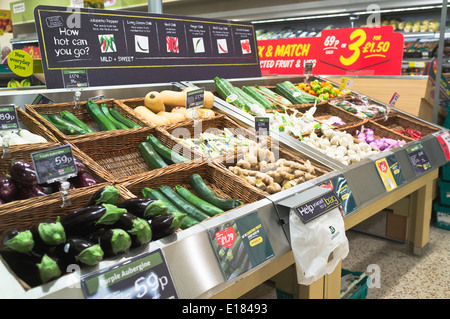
{"x":255,"y":10}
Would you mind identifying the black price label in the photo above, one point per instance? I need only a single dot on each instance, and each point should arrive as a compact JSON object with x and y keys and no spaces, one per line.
{"x":54,"y":164}
{"x":308,"y":68}
{"x":195,"y":98}
{"x":318,"y":206}
{"x":75,"y":78}
{"x":142,"y":277}
{"x":262,"y":126}
{"x":8,"y":117}
{"x":418,"y":159}
{"x":42,"y":99}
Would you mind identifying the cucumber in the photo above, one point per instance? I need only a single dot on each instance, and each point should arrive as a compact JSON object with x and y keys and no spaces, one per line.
{"x":65,"y":126}
{"x":188,"y":221}
{"x":117,"y":124}
{"x":251,"y":91}
{"x":204,"y":206}
{"x":205,"y":193}
{"x":182,"y":204}
{"x":274,"y":95}
{"x":66,"y":115}
{"x":225,"y":90}
{"x":96,"y":113}
{"x":150,"y":156}
{"x":116,"y":114}
{"x":166,"y":153}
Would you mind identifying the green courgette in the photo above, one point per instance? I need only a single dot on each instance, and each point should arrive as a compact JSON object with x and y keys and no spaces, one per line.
{"x":117,"y":124}
{"x":116,"y":114}
{"x":279,"y":98}
{"x":182,"y":204}
{"x":151,"y":157}
{"x":188,"y":221}
{"x":65,"y":126}
{"x":204,"y":206}
{"x":205,"y":193}
{"x":96,"y":113}
{"x":75,"y":120}
{"x":251,"y":91}
{"x":166,"y":153}
{"x":226,"y":91}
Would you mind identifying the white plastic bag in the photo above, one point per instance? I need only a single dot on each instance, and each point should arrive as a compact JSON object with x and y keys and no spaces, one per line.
{"x":315,"y":242}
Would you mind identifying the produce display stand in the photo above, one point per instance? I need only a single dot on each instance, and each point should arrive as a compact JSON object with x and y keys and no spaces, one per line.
{"x":189,"y":255}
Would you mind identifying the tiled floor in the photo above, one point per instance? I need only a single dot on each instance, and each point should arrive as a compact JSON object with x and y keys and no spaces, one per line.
{"x":402,"y":274}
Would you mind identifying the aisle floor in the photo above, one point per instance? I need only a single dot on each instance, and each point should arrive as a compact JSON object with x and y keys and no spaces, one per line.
{"x":402,"y":274}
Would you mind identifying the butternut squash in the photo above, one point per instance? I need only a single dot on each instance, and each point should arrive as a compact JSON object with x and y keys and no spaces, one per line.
{"x":202,"y":113}
{"x":179,"y":109}
{"x":151,"y":117}
{"x":173,"y":117}
{"x":154,"y":102}
{"x":208,"y":102}
{"x":173,"y":98}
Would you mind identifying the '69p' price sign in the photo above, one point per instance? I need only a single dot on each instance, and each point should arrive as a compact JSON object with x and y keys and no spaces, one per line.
{"x":376,"y":50}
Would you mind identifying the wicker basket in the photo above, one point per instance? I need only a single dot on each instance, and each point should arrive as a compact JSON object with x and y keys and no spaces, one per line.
{"x":214,"y":125}
{"x":119,"y":156}
{"x":280,"y":152}
{"x":400,"y":121}
{"x":325,"y":111}
{"x":223,"y":183}
{"x":83,"y":115}
{"x":133,"y":103}
{"x":378,"y":130}
{"x":272,"y":87}
{"x":34,"y":127}
{"x":43,"y":211}
{"x":30,"y":203}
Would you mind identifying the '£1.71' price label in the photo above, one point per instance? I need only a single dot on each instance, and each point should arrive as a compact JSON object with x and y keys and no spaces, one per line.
{"x":373,"y":51}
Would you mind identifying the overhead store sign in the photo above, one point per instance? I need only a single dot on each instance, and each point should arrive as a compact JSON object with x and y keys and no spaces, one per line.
{"x":355,"y":51}
{"x":120,"y":47}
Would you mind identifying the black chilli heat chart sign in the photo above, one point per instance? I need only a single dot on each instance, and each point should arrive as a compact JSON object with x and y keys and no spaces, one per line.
{"x":120,"y":47}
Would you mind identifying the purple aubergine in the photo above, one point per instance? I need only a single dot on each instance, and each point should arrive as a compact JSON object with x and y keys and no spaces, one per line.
{"x":8,"y":189}
{"x":47,"y":235}
{"x":23,"y":173}
{"x":89,"y":219}
{"x":16,"y":240}
{"x":33,"y":268}
{"x":165,"y":225}
{"x":26,"y":192}
{"x":83,"y":180}
{"x":138,"y":229}
{"x":144,"y":207}
{"x":79,"y":250}
{"x":113,"y":241}
{"x":105,"y":195}
{"x":81,"y":168}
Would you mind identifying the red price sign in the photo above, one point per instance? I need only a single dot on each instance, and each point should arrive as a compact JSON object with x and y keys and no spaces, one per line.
{"x":444,"y":141}
{"x":226,"y":237}
{"x":377,"y":50}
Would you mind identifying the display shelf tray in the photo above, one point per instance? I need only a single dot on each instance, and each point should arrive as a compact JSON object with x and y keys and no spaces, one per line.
{"x":81,"y":113}
{"x":325,"y":111}
{"x":223,"y":183}
{"x":44,"y":211}
{"x":118,"y":155}
{"x":400,"y":121}
{"x":30,"y":203}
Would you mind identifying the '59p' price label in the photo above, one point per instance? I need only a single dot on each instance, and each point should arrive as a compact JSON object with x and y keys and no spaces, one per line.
{"x":362,"y":48}
{"x":54,"y":164}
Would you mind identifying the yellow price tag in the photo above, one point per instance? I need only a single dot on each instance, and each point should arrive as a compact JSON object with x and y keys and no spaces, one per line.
{"x":21,"y":63}
{"x":346,"y":84}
